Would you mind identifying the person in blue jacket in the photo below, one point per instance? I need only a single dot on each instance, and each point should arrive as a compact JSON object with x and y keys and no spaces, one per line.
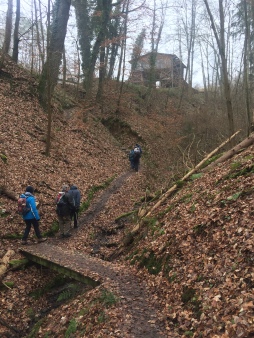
{"x":75,"y":194}
{"x":32,"y":217}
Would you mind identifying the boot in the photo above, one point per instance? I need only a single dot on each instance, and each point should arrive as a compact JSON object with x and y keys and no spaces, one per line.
{"x":40,"y":240}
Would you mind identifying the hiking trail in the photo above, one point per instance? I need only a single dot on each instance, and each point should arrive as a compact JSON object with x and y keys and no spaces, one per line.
{"x":140,"y":309}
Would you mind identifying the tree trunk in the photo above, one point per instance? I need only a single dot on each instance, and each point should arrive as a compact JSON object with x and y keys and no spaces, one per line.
{"x":55,"y":50}
{"x":102,"y":72}
{"x":105,"y":17}
{"x":39,"y":37}
{"x":246,"y":67}
{"x":15,"y":52}
{"x":4,"y":190}
{"x":4,"y":262}
{"x":222,"y":51}
{"x":85,"y":35}
{"x":8,"y":28}
{"x":240,"y":147}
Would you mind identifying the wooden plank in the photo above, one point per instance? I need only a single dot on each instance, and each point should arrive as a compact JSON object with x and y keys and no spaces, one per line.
{"x":56,"y":266}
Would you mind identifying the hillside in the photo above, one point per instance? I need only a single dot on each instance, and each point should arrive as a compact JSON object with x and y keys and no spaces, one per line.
{"x":194,"y":254}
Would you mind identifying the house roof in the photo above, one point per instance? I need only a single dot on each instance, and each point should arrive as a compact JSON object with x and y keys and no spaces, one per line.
{"x":172,"y":56}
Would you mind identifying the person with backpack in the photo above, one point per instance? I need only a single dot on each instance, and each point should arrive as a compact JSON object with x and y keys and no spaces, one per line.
{"x":27,"y":208}
{"x":64,"y":206}
{"x":75,"y":193}
{"x":134,"y":157}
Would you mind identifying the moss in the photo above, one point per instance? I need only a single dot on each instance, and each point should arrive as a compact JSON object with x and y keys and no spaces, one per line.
{"x":107,"y":298}
{"x":172,"y":278}
{"x":12,"y":236}
{"x":243,"y":172}
{"x":186,"y":198}
{"x":200,"y":229}
{"x":3,"y":157}
{"x":35,"y":330}
{"x":187,"y":295}
{"x":151,"y":263}
{"x":148,"y":260}
{"x":70,"y":292}
{"x":237,"y":171}
{"x":4,"y":213}
{"x":57,"y":281}
{"x":234,"y":197}
{"x":180,"y":183}
{"x":85,"y":205}
{"x":154,"y":226}
{"x":19,"y":264}
{"x":192,"y":208}
{"x":9,"y":285}
{"x":210,"y":160}
{"x":190,"y":300}
{"x":235,"y":165}
{"x":53,"y":230}
{"x":195,"y":176}
{"x":126,"y":215}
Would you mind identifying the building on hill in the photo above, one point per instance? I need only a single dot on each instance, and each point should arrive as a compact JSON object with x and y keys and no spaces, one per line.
{"x":169,"y":70}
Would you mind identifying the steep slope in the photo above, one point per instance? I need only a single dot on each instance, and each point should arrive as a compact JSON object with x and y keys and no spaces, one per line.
{"x":199,"y":245}
{"x":195,"y":252}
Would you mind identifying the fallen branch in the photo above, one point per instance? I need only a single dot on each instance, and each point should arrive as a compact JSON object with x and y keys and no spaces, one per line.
{"x":4,"y":323}
{"x":5,"y":261}
{"x":10,"y":194}
{"x":174,"y":187}
{"x":239,"y":147}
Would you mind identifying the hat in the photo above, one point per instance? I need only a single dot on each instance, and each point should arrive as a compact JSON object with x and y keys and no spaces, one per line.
{"x":65,"y":187}
{"x":30,"y":189}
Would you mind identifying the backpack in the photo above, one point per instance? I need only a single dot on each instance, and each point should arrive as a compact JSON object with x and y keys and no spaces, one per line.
{"x":62,"y":205}
{"x":22,"y":206}
{"x":137,"y":152}
{"x":71,"y":193}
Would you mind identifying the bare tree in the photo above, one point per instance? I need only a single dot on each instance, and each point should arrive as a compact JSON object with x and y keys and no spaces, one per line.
{"x":50,"y":69}
{"x":39,"y":33}
{"x":156,"y":31}
{"x":8,"y":28}
{"x":220,"y":39}
{"x":15,"y":52}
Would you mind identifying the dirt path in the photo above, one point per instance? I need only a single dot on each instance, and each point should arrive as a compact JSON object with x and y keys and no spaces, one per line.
{"x":99,"y":205}
{"x":139,"y":309}
{"x":140,"y":313}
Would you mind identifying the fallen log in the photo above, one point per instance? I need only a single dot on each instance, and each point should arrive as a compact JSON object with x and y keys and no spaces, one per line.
{"x":5,"y":261}
{"x":7,"y":192}
{"x":238,"y":148}
{"x":191,"y":172}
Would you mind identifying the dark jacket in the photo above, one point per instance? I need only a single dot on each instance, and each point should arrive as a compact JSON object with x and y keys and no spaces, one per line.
{"x":31,"y":203}
{"x":65,"y":204}
{"x":75,"y":193}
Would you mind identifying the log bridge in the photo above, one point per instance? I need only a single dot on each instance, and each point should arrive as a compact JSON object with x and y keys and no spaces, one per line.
{"x":70,"y":263}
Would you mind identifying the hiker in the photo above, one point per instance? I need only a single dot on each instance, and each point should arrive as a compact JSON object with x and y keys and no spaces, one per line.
{"x":31,"y":216}
{"x":134,"y":157}
{"x":75,"y":193}
{"x":64,"y":206}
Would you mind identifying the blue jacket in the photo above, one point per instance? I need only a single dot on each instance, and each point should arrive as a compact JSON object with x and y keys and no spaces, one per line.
{"x":75,"y":193}
{"x":31,"y":202}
